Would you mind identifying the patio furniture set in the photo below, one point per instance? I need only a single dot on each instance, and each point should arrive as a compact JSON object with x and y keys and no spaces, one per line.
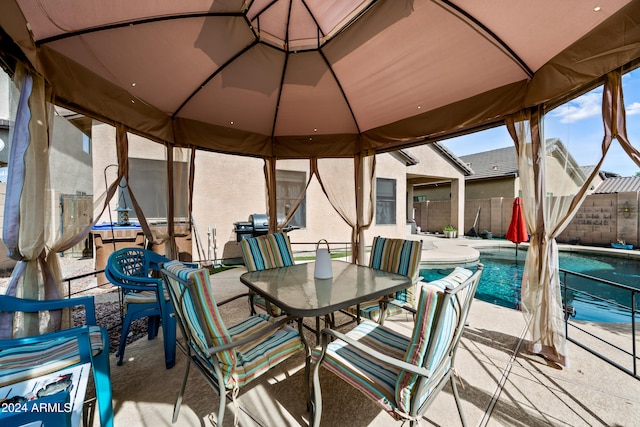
{"x":402,"y":374}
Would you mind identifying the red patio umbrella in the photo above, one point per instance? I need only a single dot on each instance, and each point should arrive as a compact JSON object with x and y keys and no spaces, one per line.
{"x":517,"y":231}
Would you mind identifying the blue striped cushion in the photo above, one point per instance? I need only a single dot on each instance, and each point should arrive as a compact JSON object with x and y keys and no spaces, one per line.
{"x":371,"y":310}
{"x":34,"y":360}
{"x":268,"y":251}
{"x":259,"y":356}
{"x":213,"y":332}
{"x":242,"y":364}
{"x":422,"y":339}
{"x":375,"y":379}
{"x":396,"y":256}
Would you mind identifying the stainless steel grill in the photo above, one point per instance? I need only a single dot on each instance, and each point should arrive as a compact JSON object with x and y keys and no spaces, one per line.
{"x":257,"y":225}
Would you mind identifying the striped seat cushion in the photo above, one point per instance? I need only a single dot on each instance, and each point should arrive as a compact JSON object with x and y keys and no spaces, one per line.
{"x":263,"y":253}
{"x":272,"y":310}
{"x":41,"y":358}
{"x":396,"y":256}
{"x":422,"y":337}
{"x":144,"y":297}
{"x":212,"y":332}
{"x":375,"y":379}
{"x":388,"y":386}
{"x":268,"y":251}
{"x":240,"y":365}
{"x":371,"y":310}
{"x":257,"y":357}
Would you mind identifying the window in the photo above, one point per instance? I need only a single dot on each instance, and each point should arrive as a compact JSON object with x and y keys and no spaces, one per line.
{"x":149,"y":184}
{"x":289,"y":186}
{"x":385,"y":201}
{"x":86,"y":143}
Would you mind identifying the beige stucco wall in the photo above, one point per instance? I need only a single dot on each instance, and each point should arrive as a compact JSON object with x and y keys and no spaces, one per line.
{"x":475,"y":189}
{"x":72,"y":167}
{"x":503,"y":187}
{"x":229,"y":188}
{"x":437,"y":168}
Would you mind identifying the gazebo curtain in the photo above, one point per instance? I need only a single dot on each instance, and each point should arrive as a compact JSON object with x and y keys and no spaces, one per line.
{"x":348,"y":185}
{"x":549,"y":208}
{"x":29,"y":230}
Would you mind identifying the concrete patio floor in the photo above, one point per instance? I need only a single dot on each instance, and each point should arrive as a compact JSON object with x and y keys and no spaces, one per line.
{"x":504,"y":384}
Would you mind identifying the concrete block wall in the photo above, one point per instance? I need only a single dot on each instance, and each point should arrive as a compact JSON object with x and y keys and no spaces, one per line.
{"x":601,"y":219}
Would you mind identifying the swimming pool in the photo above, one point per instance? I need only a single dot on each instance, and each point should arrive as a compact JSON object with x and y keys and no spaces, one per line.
{"x":502,"y":276}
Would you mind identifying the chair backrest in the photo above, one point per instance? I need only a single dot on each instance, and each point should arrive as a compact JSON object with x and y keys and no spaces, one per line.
{"x":199,"y":318}
{"x":440,"y":318}
{"x":268,"y":251}
{"x":398,"y":256}
{"x":133,"y":262}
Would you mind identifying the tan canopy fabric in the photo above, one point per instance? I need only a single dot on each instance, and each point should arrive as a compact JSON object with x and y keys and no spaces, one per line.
{"x":294,"y":78}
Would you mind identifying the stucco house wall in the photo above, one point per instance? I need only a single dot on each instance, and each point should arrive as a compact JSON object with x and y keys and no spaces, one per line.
{"x":498,"y":187}
{"x":228,"y":189}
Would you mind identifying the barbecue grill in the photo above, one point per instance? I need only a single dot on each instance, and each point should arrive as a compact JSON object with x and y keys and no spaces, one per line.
{"x":257,"y":225}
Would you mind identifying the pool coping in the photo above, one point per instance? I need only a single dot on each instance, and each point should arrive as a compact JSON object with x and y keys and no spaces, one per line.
{"x":445,"y":252}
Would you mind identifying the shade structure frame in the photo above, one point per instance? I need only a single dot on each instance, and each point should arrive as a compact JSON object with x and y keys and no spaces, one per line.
{"x":586,"y":50}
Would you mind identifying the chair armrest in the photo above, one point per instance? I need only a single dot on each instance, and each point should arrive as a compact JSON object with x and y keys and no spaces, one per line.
{"x":418,"y":370}
{"x":252,"y":337}
{"x":13,"y":304}
{"x":77,"y":332}
{"x":118,"y":279}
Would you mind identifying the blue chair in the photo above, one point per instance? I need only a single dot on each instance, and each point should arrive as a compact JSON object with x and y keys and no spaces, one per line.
{"x":133,"y":270}
{"x":35,"y":356}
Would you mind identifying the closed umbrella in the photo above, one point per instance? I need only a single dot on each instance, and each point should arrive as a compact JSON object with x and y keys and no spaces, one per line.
{"x":517,"y":231}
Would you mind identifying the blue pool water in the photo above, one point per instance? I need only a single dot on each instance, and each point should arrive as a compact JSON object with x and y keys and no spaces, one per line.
{"x":502,"y":276}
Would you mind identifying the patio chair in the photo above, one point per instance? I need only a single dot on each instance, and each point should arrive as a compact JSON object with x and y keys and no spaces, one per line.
{"x":228,"y":358}
{"x":262,"y":253}
{"x":132,"y":269}
{"x":35,"y":356}
{"x":396,"y":256}
{"x":402,"y":374}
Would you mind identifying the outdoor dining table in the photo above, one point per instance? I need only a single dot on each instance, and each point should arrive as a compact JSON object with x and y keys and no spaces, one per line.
{"x":297,"y":292}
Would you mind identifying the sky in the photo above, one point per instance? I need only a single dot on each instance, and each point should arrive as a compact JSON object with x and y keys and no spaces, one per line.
{"x":578,"y":124}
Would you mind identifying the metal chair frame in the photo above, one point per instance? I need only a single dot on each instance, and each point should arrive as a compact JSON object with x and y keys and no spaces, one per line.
{"x":213,"y":371}
{"x":442,"y":373}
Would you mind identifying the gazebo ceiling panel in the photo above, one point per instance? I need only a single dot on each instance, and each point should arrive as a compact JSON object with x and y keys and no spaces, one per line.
{"x":166,"y":74}
{"x":311,"y":77}
{"x":537,"y":31}
{"x":378,"y":91}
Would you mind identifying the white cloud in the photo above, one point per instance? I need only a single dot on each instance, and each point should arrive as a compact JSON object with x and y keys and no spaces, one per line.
{"x":633,"y":108}
{"x":584,"y":107}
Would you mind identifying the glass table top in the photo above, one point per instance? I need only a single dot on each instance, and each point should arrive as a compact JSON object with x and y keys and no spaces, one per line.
{"x":297,"y":292}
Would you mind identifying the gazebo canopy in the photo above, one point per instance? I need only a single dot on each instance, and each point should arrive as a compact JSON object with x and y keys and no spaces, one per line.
{"x":304,"y":78}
